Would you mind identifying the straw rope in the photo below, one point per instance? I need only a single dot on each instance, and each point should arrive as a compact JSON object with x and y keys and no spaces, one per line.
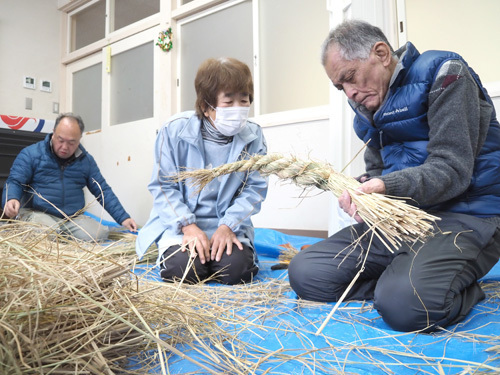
{"x":391,"y":219}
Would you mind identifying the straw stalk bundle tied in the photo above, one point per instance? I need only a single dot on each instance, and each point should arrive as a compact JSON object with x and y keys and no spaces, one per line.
{"x":392,"y":220}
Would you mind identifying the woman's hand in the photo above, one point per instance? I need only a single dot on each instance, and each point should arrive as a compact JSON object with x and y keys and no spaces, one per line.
{"x":223,"y":239}
{"x":196,"y":241}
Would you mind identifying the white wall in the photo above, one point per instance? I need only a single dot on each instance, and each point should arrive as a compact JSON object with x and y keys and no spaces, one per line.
{"x":125,"y":159}
{"x":30,"y":44}
{"x":288,"y":206}
{"x":469,"y":28}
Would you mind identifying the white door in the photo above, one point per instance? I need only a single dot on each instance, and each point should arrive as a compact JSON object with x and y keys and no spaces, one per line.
{"x":345,"y":145}
{"x":117,"y":94}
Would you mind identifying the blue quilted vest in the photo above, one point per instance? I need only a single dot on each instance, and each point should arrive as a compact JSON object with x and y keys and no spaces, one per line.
{"x":401,"y":132}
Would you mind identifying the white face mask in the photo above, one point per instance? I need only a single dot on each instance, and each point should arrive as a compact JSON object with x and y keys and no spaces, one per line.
{"x":230,"y":120}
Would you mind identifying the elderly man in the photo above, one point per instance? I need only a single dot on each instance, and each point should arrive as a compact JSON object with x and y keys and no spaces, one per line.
{"x":50,"y":176}
{"x":433,"y":138}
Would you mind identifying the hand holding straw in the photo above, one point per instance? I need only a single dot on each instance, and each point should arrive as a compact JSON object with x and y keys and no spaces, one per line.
{"x":392,"y":220}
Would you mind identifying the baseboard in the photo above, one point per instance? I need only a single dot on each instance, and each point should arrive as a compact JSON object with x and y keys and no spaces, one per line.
{"x":304,"y":232}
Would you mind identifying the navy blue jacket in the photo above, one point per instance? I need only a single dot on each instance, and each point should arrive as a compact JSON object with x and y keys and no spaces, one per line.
{"x":38,"y":177}
{"x":401,"y":132}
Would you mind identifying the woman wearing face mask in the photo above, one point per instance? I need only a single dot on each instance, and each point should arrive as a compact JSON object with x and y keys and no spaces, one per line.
{"x":207,"y":234}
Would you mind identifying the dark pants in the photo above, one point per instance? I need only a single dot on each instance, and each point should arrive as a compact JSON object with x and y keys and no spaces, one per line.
{"x":416,"y":288}
{"x":239,"y":267}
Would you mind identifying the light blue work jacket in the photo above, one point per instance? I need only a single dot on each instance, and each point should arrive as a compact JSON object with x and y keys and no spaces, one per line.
{"x":179,"y":145}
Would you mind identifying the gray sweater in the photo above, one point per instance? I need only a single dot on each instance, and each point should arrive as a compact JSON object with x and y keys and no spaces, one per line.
{"x":458,"y":120}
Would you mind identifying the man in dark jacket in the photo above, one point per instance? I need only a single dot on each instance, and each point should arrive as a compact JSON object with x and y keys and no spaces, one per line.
{"x":50,"y":176}
{"x":434,"y":138}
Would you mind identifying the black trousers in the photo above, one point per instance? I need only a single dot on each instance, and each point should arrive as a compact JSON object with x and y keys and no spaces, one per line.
{"x":419,"y":287}
{"x":239,"y":267}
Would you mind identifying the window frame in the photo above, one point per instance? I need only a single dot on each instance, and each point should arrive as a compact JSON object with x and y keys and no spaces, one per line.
{"x":189,"y":16}
{"x":102,"y":56}
{"x":109,"y":37}
{"x":79,"y":65}
{"x":201,"y":8}
{"x":124,"y":45}
{"x":174,"y":15}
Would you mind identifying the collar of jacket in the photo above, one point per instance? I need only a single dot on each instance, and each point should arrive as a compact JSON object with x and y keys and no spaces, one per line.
{"x":191,"y":132}
{"x":407,"y":56}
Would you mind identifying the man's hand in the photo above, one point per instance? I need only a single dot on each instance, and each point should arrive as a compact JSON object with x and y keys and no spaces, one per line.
{"x":375,"y":185}
{"x":11,"y":208}
{"x":130,"y":224}
{"x":197,"y":242}
{"x":223,"y":239}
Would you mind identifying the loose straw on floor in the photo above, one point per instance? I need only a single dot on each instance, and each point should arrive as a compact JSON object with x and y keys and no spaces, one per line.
{"x":392,"y":220}
{"x":69,"y":307}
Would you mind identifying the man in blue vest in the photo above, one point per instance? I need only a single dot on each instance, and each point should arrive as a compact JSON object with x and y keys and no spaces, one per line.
{"x":49,"y":177}
{"x":434,"y":138}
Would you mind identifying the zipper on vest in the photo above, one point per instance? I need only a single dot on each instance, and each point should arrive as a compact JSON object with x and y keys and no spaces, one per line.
{"x":380,"y":135}
{"x":62,"y":168}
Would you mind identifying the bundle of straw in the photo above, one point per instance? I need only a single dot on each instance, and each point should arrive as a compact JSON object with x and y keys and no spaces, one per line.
{"x":56,"y":311}
{"x":392,"y":220}
{"x":69,"y":307}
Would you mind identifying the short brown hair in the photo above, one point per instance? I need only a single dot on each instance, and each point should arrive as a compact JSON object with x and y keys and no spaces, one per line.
{"x":222,"y":74}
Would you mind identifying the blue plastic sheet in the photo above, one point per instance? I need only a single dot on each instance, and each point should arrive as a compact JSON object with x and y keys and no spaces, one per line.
{"x":356,"y":340}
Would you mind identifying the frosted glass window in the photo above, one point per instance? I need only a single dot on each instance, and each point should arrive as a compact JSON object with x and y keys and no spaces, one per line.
{"x":87,"y":96}
{"x":88,"y":25}
{"x":226,"y":33}
{"x":290,"y":38}
{"x":132,"y":84}
{"x":130,"y":11}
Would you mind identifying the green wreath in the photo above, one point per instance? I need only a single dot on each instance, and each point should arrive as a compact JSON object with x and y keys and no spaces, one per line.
{"x":165,"y":40}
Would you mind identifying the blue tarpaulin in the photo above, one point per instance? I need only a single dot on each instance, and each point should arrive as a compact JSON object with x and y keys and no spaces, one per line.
{"x":355,"y":340}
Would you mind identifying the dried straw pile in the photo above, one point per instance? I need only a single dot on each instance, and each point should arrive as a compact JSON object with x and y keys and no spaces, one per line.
{"x":72,"y":308}
{"x":69,"y":307}
{"x":396,"y":220}
{"x":60,"y":307}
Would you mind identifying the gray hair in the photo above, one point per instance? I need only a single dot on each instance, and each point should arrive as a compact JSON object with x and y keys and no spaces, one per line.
{"x":354,"y":39}
{"x":70,"y":115}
